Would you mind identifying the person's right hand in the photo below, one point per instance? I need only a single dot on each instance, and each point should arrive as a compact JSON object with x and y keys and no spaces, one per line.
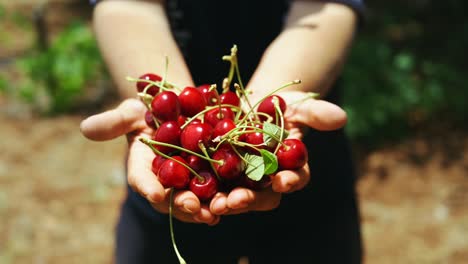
{"x":128,"y":119}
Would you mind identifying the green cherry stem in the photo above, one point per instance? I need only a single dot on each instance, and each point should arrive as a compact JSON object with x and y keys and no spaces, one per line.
{"x":271,"y":93}
{"x":310,"y":95}
{"x":171,"y":227}
{"x":208,"y":108}
{"x":151,"y":142}
{"x":200,"y":178}
{"x":278,"y":112}
{"x":220,"y":162}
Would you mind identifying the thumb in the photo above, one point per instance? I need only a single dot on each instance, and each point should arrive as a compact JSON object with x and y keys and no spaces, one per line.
{"x":127,"y":117}
{"x":317,"y":114}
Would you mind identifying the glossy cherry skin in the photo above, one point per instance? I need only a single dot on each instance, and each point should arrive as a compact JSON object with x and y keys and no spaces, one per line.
{"x":223,"y":127}
{"x":217,"y":114}
{"x":196,"y":163}
{"x":173,"y":174}
{"x":192,"y":101}
{"x":292,"y":155}
{"x":149,"y":119}
{"x":263,"y":183}
{"x":166,"y":106}
{"x":211,"y":97}
{"x":193,"y":134}
{"x":267,"y":106}
{"x":207,"y":189}
{"x":153,"y":90}
{"x":232,"y":166}
{"x":156,"y":164}
{"x":168,"y":132}
{"x":230,"y":98}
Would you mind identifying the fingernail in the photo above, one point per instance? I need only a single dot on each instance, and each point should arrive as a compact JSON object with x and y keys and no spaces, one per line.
{"x":187,"y":205}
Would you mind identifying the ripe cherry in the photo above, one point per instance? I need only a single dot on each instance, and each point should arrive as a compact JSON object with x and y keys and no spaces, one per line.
{"x":232,"y":165}
{"x":149,"y":119}
{"x":229,"y":97}
{"x":267,"y":106}
{"x":166,"y":106}
{"x":292,"y":155}
{"x":206,"y":189}
{"x":173,"y":174}
{"x":169,"y":132}
{"x":156,"y":164}
{"x":263,"y":183}
{"x":196,"y":163}
{"x":217,"y":114}
{"x":193,"y":134}
{"x":223,"y":126}
{"x":192,"y":101}
{"x":153,"y":90}
{"x":210,"y":95}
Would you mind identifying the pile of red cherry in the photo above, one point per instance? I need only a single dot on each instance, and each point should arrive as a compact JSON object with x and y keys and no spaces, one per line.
{"x":207,"y":141}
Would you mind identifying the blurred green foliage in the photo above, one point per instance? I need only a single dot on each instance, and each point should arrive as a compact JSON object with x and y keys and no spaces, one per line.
{"x":61,"y":72}
{"x":407,"y":67}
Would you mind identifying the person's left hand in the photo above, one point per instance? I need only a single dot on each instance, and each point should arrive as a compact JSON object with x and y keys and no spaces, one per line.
{"x":302,"y":112}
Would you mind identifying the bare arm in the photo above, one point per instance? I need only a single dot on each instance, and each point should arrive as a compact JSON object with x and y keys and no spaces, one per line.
{"x":312,"y":47}
{"x":134,"y":37}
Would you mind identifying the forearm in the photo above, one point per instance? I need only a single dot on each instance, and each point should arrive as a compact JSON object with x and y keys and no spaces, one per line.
{"x":312,"y":48}
{"x":134,"y":37}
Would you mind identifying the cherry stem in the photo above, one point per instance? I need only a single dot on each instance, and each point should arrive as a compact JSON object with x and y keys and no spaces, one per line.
{"x":220,"y":162}
{"x":208,"y":108}
{"x":150,"y":143}
{"x":171,"y":227}
{"x":280,"y":113}
{"x":310,"y":95}
{"x":271,"y":93}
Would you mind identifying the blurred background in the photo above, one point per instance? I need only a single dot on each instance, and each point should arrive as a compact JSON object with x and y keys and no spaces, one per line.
{"x":405,"y":94}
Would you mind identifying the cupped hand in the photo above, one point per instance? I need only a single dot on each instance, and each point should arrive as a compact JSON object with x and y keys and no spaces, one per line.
{"x":128,"y":119}
{"x":302,"y":112}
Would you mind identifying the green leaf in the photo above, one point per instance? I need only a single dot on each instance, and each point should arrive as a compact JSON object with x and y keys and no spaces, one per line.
{"x":272,"y":129}
{"x":255,"y":167}
{"x":270,"y":161}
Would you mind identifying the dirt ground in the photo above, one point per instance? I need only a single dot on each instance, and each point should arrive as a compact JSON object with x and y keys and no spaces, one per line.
{"x":60,"y":195}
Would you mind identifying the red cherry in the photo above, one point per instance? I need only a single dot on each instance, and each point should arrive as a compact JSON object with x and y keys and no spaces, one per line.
{"x":169,"y":132}
{"x":193,"y":134}
{"x":156,"y":164}
{"x":223,"y":126}
{"x":217,"y":114}
{"x":196,"y":163}
{"x":149,"y":119}
{"x":256,"y":139}
{"x":267,"y":106}
{"x":229,"y":97}
{"x":166,"y":106}
{"x":210,"y":96}
{"x":255,"y":185}
{"x":204,"y":190}
{"x":192,"y":101}
{"x":173,"y":174}
{"x":153,"y":90}
{"x":232,"y":165}
{"x":292,"y":155}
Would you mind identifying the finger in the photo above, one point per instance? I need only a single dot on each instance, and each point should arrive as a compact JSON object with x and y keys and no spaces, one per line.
{"x":140,"y":176}
{"x":127,"y":117}
{"x":205,"y":216}
{"x":289,"y":181}
{"x":240,"y":198}
{"x":264,"y":200}
{"x":187,"y":202}
{"x":218,"y":204}
{"x":318,"y":114}
{"x":202,"y":216}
